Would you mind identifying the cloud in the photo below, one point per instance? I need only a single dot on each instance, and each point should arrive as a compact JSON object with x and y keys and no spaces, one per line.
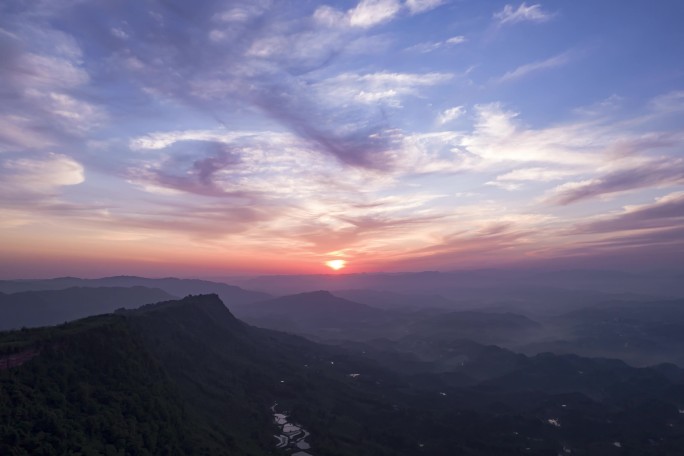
{"x":355,"y":228}
{"x":670,"y":102}
{"x":499,"y":137}
{"x":241,"y":13}
{"x":312,"y":205}
{"x":451,"y":114}
{"x":434,"y":45}
{"x":200,"y":176}
{"x":359,"y":144}
{"x":27,"y":178}
{"x":22,"y":133}
{"x":493,"y":243}
{"x":508,"y":186}
{"x":74,"y":115}
{"x":42,"y":71}
{"x":606,"y":106}
{"x":200,"y":163}
{"x":225,"y":164}
{"x":202,"y":222}
{"x":534,"y":67}
{"x":534,"y":175}
{"x":420,"y":6}
{"x":514,"y":180}
{"x":269,"y":64}
{"x":659,"y":173}
{"x":371,"y":88}
{"x":266,"y":60}
{"x":366,"y":14}
{"x":666,"y":212}
{"x":500,"y":141}
{"x":373,"y":12}
{"x":524,"y":13}
{"x":248,"y":124}
{"x":456,"y":40}
{"x":44,"y":102}
{"x":330,"y":17}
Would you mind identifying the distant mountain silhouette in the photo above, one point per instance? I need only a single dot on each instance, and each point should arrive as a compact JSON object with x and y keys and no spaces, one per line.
{"x":398,"y":301}
{"x":483,"y":327}
{"x":641,"y":333}
{"x":484,"y":285}
{"x":51,"y":307}
{"x":318,"y":302}
{"x":173,"y":286}
{"x":327,"y":316}
{"x":312,"y":312}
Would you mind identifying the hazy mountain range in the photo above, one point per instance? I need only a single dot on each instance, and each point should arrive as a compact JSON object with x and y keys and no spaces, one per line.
{"x":51,"y":307}
{"x":379,"y":372}
{"x":187,"y":377}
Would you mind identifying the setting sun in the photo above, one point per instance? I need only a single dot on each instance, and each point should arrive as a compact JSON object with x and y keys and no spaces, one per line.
{"x":336,"y":264}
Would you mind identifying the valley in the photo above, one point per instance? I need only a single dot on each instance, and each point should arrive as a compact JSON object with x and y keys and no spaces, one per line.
{"x":363,"y":381}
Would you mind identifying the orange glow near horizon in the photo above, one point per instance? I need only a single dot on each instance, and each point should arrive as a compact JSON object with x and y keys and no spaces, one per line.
{"x":336,"y":265}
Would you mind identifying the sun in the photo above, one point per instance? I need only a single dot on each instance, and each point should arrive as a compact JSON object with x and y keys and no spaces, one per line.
{"x":336,"y":264}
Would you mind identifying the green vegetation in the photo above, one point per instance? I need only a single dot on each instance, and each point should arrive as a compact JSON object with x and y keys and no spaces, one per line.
{"x":186,"y":377}
{"x":93,"y":390}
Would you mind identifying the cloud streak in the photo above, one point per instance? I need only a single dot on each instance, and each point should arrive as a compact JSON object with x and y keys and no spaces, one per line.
{"x":666,"y":212}
{"x":38,"y":177}
{"x":435,"y":45}
{"x":524,"y":13}
{"x":535,"y":67}
{"x":651,"y":174}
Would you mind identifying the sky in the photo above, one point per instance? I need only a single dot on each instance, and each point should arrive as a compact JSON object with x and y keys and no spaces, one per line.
{"x":167,"y":137}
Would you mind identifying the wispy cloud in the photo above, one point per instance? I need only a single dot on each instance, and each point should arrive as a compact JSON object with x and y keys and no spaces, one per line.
{"x":226,"y":164}
{"x":451,"y":114}
{"x":658,"y":173}
{"x":535,"y":67}
{"x":669,"y":103}
{"x":524,"y":13}
{"x":38,"y":176}
{"x":419,"y":6}
{"x":374,"y":88}
{"x":514,"y":180}
{"x":430,"y":46}
{"x":45,"y":101}
{"x":366,"y":14}
{"x":666,"y":212}
{"x":585,"y":151}
{"x":371,"y":13}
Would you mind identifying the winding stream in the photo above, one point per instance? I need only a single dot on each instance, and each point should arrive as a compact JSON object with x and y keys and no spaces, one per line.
{"x":292,"y":436}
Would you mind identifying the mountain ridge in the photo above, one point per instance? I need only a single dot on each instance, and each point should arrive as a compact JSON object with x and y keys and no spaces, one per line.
{"x":210,"y":381}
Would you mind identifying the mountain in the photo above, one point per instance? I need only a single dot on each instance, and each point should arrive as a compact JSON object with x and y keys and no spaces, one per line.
{"x":187,"y":377}
{"x":51,"y":307}
{"x":90,"y":388}
{"x":320,"y":313}
{"x":543,"y":291}
{"x":483,"y":327}
{"x":177,"y":377}
{"x":642,"y":333}
{"x":399,"y":301}
{"x":531,"y":293}
{"x":315,"y":304}
{"x":173,"y":286}
{"x":329,"y":317}
{"x":453,"y":362}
